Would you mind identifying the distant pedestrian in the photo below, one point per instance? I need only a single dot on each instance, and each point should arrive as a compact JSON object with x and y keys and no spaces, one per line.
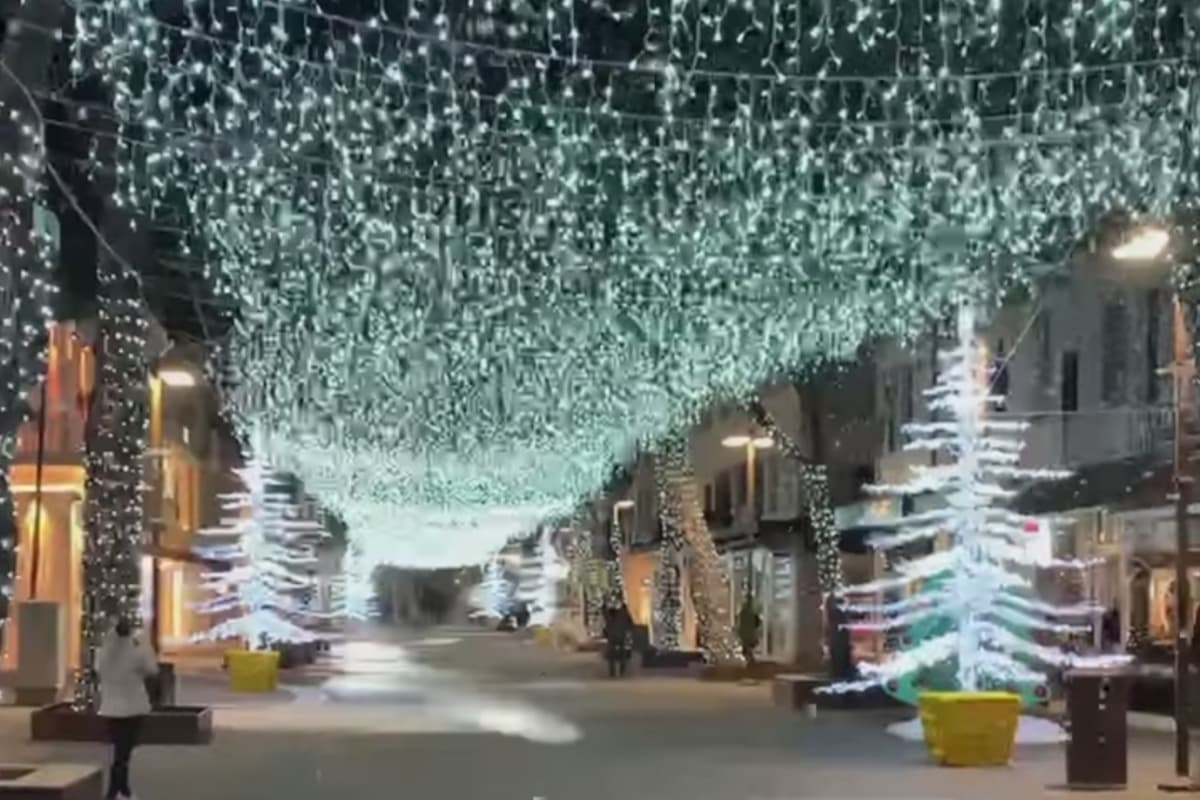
{"x":1110,"y":630}
{"x":618,"y":635}
{"x":123,"y":664}
{"x":523,"y":615}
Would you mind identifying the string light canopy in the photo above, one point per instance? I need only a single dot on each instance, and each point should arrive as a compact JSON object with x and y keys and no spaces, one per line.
{"x":508,"y":229}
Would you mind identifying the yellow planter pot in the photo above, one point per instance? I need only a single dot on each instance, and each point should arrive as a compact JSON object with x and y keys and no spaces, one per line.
{"x":970,"y":729}
{"x":253,"y":670}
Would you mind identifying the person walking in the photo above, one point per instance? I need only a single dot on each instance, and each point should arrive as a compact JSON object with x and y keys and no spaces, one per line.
{"x":123,"y":664}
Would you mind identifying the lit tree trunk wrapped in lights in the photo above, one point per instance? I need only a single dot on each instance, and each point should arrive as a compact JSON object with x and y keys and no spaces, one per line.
{"x":116,"y":444}
{"x":975,"y":600}
{"x":814,"y":493}
{"x":668,"y":600}
{"x":27,"y":262}
{"x":710,"y":581}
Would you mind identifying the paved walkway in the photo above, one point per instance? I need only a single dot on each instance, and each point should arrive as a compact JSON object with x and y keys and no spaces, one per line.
{"x":465,"y":714}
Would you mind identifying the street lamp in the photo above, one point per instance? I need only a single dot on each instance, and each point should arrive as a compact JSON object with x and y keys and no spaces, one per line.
{"x":752,"y":445}
{"x":1150,"y":246}
{"x":1146,"y":245}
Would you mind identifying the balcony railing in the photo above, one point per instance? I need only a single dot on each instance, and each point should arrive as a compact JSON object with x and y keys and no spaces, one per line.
{"x":1075,"y":439}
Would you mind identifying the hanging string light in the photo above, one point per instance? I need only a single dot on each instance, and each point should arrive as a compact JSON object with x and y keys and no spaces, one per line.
{"x":27,"y":292}
{"x":487,"y":235}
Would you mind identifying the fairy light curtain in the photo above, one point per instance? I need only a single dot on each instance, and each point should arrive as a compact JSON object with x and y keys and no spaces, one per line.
{"x":469,"y":234}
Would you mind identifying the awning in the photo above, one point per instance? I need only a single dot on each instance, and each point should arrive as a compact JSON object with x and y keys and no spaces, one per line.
{"x":1117,"y":485}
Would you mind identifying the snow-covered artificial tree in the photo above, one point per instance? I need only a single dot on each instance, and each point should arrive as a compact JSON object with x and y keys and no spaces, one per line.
{"x":532,"y":581}
{"x":266,"y":562}
{"x":494,"y":595}
{"x":354,"y":598}
{"x":967,"y":614}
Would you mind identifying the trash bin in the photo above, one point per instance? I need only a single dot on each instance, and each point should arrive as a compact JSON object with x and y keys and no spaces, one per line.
{"x":161,"y":686}
{"x":1098,"y":748}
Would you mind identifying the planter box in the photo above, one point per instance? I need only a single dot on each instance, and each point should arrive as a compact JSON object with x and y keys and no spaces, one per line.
{"x":253,"y":670}
{"x":671,"y":659}
{"x":796,"y":691}
{"x":50,"y":782}
{"x":970,"y":729}
{"x":183,"y":725}
{"x":866,"y":700}
{"x":760,"y":671}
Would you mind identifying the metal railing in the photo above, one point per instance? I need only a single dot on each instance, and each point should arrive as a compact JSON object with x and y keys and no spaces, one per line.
{"x":1079,"y":438}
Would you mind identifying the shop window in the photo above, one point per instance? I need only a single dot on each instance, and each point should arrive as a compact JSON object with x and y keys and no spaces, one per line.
{"x":1069,"y":382}
{"x":1115,"y":342}
{"x":1150,"y":362}
{"x":1045,"y":358}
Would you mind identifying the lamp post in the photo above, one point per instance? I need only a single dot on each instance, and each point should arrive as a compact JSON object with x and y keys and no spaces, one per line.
{"x":1151,"y":245}
{"x":751,"y":444}
{"x":166,"y":378}
{"x":616,"y":542}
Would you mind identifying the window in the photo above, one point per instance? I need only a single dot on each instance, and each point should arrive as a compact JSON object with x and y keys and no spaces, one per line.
{"x":740,"y":489}
{"x":1045,"y":350}
{"x":770,"y":465}
{"x":1069,"y":382}
{"x":723,"y":493}
{"x":999,"y":377}
{"x":891,"y":431}
{"x":1153,"y":324}
{"x":1114,"y":338}
{"x":907,"y":403}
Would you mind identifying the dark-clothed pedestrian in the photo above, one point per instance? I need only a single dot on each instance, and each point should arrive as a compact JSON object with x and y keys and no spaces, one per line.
{"x":124,"y":663}
{"x":618,"y":635}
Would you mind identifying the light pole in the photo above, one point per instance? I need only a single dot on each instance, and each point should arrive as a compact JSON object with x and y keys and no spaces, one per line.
{"x":1151,"y":245}
{"x":167,"y":378}
{"x":616,"y":542}
{"x":751,"y":444}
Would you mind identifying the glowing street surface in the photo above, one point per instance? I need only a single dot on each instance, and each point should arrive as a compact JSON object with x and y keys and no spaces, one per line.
{"x":382,"y":689}
{"x":473,"y":715}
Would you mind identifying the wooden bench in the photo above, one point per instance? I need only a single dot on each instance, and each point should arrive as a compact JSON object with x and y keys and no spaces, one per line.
{"x":796,"y":691}
{"x":50,"y":782}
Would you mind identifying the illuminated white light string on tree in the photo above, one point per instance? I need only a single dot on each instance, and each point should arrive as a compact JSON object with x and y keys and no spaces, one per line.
{"x":481,"y":230}
{"x":980,"y":587}
{"x":116,"y":440}
{"x":260,"y":561}
{"x":27,"y":292}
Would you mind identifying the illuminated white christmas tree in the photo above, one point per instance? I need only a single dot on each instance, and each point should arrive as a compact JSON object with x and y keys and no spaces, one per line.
{"x":353,"y":597}
{"x":267,"y":559}
{"x":973,"y":602}
{"x":532,"y":582}
{"x":493,"y":596}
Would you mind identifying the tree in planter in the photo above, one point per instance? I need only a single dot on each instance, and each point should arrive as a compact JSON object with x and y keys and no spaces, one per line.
{"x":966,"y":613}
{"x":27,"y":258}
{"x":116,"y":444}
{"x":257,"y":596}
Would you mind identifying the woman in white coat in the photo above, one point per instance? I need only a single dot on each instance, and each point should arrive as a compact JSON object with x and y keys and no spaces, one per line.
{"x":123,"y":665}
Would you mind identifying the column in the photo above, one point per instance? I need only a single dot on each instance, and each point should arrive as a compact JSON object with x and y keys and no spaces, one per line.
{"x":807,"y":635}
